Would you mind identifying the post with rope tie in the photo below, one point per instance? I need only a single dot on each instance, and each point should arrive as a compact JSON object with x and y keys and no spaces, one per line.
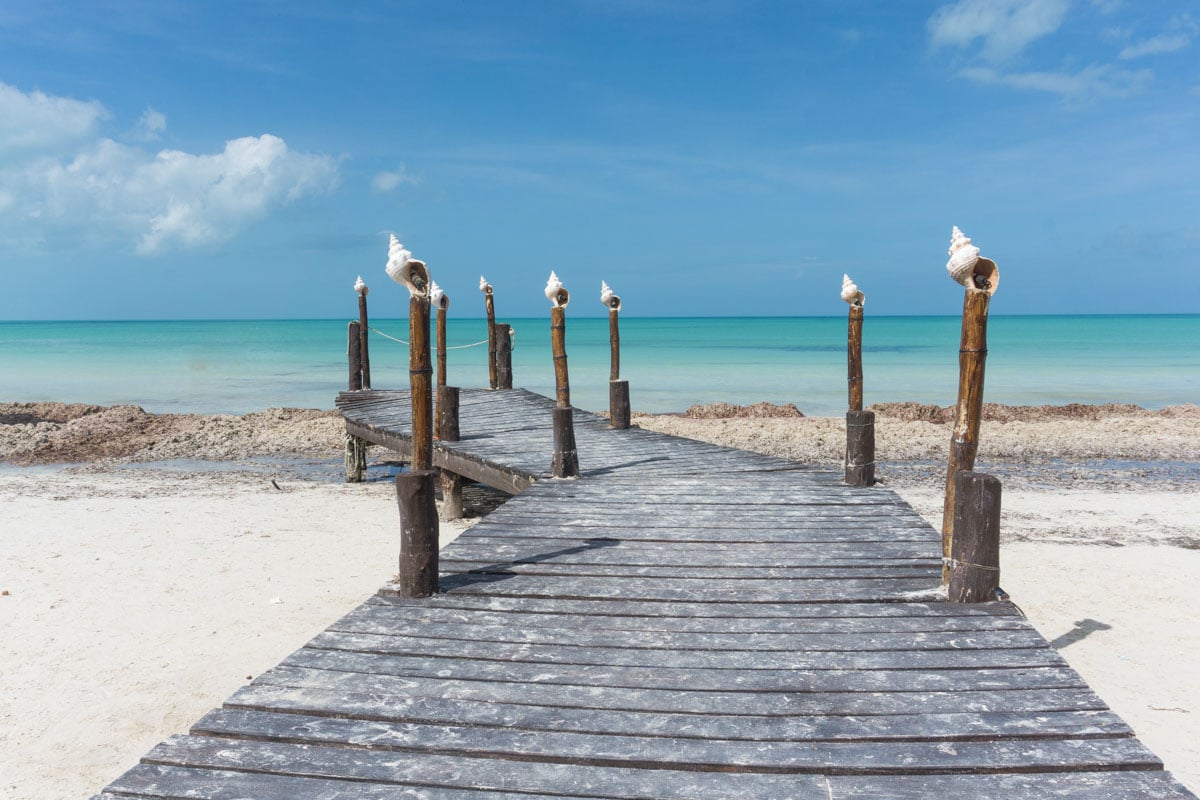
{"x":566,"y":458}
{"x":504,"y":347}
{"x":356,"y":351}
{"x":980,"y":277}
{"x":860,"y":425}
{"x":361,"y":289}
{"x":490,"y":305}
{"x":618,"y":390}
{"x":975,"y":561}
{"x":446,"y":412}
{"x":415,"y":489}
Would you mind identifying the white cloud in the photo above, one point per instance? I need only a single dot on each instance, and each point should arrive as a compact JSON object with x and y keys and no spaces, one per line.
{"x":1005,"y":26}
{"x":1179,"y":36}
{"x":1087,"y":84}
{"x":38,"y":122}
{"x":389,"y":180}
{"x":99,"y":189}
{"x":152,"y":124}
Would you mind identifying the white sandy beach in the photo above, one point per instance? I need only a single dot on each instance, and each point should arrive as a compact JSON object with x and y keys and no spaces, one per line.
{"x":133,"y":601}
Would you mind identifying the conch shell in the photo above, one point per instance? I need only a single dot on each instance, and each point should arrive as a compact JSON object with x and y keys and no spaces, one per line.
{"x":555,"y":292}
{"x":403,"y":268}
{"x":484,"y":286}
{"x":438,"y":297}
{"x":360,"y":287}
{"x":608,"y":298}
{"x":850,"y":292}
{"x":966,"y":266}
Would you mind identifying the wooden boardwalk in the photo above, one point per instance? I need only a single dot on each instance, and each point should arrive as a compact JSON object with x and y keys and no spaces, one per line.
{"x":684,"y":621}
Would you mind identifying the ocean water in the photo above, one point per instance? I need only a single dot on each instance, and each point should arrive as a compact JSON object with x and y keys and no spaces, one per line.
{"x":670,"y":363}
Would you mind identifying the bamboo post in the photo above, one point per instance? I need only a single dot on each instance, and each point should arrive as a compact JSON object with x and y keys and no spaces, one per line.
{"x":975,"y":561}
{"x":354,"y":355}
{"x":618,"y":390}
{"x":980,"y":277}
{"x":565,"y":463}
{"x":363,"y":332}
{"x":418,"y":575}
{"x":441,"y":302}
{"x":860,"y":425}
{"x":503,"y":360}
{"x":490,"y":305}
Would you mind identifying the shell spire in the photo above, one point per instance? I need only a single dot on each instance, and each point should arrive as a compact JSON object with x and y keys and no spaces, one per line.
{"x":403,"y":268}
{"x":850,"y":292}
{"x":967,"y":268}
{"x":360,"y":287}
{"x":438,"y":297}
{"x":484,"y":286}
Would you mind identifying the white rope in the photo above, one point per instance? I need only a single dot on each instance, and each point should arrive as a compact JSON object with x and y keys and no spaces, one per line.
{"x":403,"y":341}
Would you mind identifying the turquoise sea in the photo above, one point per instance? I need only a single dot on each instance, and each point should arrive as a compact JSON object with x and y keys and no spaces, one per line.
{"x":240,"y":366}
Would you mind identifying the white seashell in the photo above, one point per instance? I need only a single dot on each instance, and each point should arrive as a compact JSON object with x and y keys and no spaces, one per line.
{"x":360,"y":287}
{"x":963,"y":258}
{"x":608,"y":298}
{"x":555,"y":292}
{"x":484,"y":286}
{"x":403,"y":268}
{"x":850,"y":292}
{"x":438,"y":297}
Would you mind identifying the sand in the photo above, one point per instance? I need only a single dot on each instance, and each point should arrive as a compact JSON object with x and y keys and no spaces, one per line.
{"x":138,"y":589}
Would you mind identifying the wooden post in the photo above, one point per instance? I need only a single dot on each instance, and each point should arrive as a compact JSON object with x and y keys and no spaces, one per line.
{"x":441,"y":346}
{"x":493,"y":367}
{"x":618,"y":405}
{"x":566,"y":456}
{"x":503,"y":360}
{"x":418,"y":534}
{"x":447,"y":413}
{"x":964,"y":442}
{"x":452,"y":496}
{"x":854,"y":358}
{"x":363,"y":333}
{"x":420,"y":372}
{"x":975,"y":562}
{"x":614,"y":343}
{"x":558,"y":344}
{"x":356,"y":459}
{"x":860,"y":448}
{"x":354,"y":353}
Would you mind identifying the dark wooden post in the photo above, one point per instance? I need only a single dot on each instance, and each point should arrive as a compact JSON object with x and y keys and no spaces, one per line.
{"x":420,"y":371}
{"x":354,"y":353}
{"x":418,"y":533}
{"x":490,"y":305}
{"x":618,"y":390}
{"x":860,"y":448}
{"x":558,"y":344}
{"x":441,"y":302}
{"x":854,"y":358}
{"x":565,"y":463}
{"x":447,"y":413}
{"x":452,"y":496}
{"x":503,"y":360}
{"x":363,"y":332}
{"x":980,"y":277}
{"x":975,"y":561}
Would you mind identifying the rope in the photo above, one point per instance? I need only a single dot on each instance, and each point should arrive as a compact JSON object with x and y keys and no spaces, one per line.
{"x":405,"y":341}
{"x":953,"y":562}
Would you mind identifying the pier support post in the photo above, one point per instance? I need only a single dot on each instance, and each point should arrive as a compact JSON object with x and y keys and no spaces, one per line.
{"x":618,"y":405}
{"x":420,"y":372}
{"x":452,"y":496}
{"x":566,"y":456}
{"x":503,"y":359}
{"x":493,"y":354}
{"x":418,"y":534}
{"x":447,"y":413}
{"x":356,"y":459}
{"x":975,"y":562}
{"x":354,"y":356}
{"x":363,"y":333}
{"x":860,"y":448}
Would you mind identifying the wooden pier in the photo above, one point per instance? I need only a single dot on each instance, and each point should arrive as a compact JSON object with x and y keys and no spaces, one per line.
{"x":682,"y":621}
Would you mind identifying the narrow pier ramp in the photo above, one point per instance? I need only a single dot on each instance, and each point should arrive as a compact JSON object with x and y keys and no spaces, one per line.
{"x":684,"y":621}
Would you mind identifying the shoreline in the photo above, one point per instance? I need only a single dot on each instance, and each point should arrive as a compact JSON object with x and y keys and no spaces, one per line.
{"x":179,"y":554}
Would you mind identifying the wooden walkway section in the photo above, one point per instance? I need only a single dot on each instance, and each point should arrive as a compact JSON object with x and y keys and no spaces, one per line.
{"x":684,"y":621}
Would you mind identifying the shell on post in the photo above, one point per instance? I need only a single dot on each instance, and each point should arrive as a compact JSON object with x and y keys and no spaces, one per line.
{"x":851,"y":293}
{"x":360,"y":287}
{"x":437,"y":297}
{"x":555,"y":293}
{"x":484,"y":286}
{"x":404,"y":269}
{"x":967,"y":267}
{"x":608,"y":298}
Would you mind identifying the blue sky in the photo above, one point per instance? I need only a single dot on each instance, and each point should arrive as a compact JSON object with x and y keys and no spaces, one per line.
{"x":705,"y":157}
